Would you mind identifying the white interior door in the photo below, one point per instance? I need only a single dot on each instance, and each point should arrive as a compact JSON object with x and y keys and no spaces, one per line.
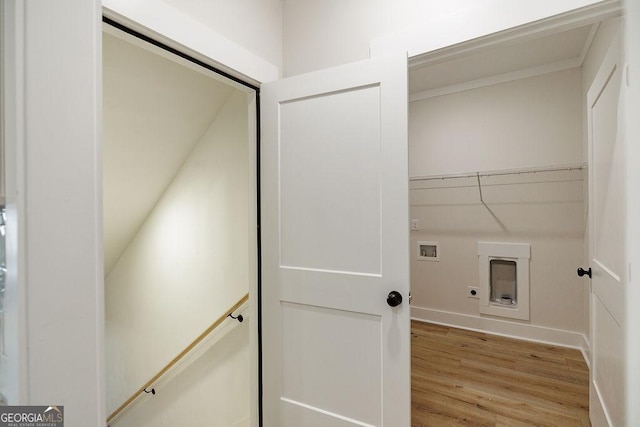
{"x":607,"y":221}
{"x":334,"y":195}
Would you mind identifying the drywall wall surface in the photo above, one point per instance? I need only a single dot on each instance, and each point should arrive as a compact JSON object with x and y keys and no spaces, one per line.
{"x":546,"y":212}
{"x":210,"y":391}
{"x":523,"y":123}
{"x":527,"y":123}
{"x":188,"y":263}
{"x":155,"y":112}
{"x":255,"y":25}
{"x":321,"y":34}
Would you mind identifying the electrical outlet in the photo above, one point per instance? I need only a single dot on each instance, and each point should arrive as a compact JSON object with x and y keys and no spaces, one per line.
{"x":473,"y":292}
{"x":415,"y":225}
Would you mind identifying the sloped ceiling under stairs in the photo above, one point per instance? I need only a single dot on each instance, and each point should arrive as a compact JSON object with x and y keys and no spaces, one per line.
{"x":154,"y":112}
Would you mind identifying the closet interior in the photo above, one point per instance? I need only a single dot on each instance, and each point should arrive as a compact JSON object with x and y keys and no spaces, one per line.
{"x":179,"y":237}
{"x":498,"y":177}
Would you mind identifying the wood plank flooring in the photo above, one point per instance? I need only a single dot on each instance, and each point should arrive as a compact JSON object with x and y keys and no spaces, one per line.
{"x":465,"y":378}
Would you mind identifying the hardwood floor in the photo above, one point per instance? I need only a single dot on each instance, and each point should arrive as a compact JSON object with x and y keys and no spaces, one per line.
{"x":465,"y":378}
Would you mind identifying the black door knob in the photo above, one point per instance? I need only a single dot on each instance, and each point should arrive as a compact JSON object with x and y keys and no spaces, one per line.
{"x":394,"y":298}
{"x":582,"y":272}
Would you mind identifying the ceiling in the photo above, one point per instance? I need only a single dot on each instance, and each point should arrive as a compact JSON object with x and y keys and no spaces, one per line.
{"x":154,"y":113}
{"x":566,"y":47}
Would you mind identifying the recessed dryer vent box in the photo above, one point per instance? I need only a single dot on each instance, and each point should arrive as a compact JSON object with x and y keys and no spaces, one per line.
{"x":428,"y":251}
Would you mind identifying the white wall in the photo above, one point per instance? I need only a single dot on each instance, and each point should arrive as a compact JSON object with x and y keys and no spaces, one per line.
{"x":156,"y":109}
{"x":524,"y":123}
{"x":189,"y":262}
{"x":321,"y":34}
{"x":211,"y":391}
{"x":254,"y":25}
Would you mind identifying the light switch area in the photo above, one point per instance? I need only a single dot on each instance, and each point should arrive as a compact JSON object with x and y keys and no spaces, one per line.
{"x":415,"y":225}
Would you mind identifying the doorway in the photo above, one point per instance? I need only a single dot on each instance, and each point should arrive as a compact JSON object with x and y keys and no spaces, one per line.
{"x":180,"y":235}
{"x":498,"y":154}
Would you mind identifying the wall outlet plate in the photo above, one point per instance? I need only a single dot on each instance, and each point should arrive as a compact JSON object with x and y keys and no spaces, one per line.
{"x":473,"y":292}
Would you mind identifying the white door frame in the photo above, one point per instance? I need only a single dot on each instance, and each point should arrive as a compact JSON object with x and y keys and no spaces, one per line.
{"x":177,"y":30}
{"x":54,"y":200}
{"x":435,"y":41}
{"x":238,"y":83}
{"x":187,"y":36}
{"x":425,"y":47}
{"x":632,"y":128}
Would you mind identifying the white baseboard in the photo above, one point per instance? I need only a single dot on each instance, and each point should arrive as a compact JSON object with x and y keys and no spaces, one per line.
{"x":505,"y":328}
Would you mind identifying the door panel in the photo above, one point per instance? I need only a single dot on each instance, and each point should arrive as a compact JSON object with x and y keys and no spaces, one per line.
{"x":607,"y":207}
{"x":335,"y":243}
{"x":350,"y":387}
{"x":320,"y":184}
{"x":608,"y":378}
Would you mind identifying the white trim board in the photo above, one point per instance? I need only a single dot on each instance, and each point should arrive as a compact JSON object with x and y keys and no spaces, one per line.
{"x":174,"y":28}
{"x":432,"y":42}
{"x":504,"y":328}
{"x":524,"y":73}
{"x":159,"y":51}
